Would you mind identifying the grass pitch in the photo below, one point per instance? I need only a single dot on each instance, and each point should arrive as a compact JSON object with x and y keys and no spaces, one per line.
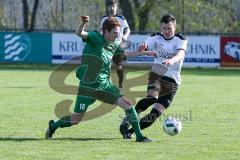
{"x":207,"y":102}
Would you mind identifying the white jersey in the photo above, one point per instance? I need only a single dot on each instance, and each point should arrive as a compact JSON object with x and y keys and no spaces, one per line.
{"x":123,"y":23}
{"x":167,"y":49}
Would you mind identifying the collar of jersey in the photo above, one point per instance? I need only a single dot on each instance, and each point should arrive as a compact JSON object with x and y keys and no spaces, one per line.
{"x":167,"y":39}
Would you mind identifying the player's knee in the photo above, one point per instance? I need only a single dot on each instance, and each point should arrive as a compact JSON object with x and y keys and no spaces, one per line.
{"x":160,"y":107}
{"x":117,"y":59}
{"x":152,"y":96}
{"x":119,"y":68}
{"x":164,"y":102}
{"x":124,"y":103}
{"x":153,"y":93}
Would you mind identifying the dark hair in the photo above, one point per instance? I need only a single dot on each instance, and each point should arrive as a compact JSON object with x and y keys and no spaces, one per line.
{"x":109,"y":24}
{"x":167,"y":18}
{"x":112,"y":2}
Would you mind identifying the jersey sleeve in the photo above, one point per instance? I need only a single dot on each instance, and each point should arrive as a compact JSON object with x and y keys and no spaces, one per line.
{"x":182,"y":45}
{"x":182,"y":42}
{"x":103,"y":19}
{"x":125,"y":24}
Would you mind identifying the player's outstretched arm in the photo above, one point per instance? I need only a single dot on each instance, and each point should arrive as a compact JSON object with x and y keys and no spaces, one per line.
{"x":142,"y":50}
{"x":138,"y":53}
{"x":80,"y":29}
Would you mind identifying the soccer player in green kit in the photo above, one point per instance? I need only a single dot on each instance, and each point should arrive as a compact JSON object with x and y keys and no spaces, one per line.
{"x":94,"y":74}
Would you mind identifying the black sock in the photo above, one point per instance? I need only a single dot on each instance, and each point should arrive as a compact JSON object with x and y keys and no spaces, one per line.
{"x":148,"y":120}
{"x":63,"y":122}
{"x":144,"y":103}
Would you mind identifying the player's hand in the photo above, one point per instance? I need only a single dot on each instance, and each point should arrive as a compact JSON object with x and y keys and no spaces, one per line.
{"x":85,"y":18}
{"x":143,"y":47}
{"x":168,"y":62}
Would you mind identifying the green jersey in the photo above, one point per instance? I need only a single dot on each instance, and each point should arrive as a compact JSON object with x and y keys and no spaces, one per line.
{"x":96,"y":60}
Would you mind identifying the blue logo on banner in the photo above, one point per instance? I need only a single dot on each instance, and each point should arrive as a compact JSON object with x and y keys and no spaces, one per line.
{"x":16,"y":47}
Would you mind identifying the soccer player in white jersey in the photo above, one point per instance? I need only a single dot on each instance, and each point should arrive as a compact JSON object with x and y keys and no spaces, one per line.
{"x":164,"y":77}
{"x":112,"y":7}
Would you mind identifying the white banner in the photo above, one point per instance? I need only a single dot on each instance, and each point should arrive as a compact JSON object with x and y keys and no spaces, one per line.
{"x":65,"y":47}
{"x":203,"y":51}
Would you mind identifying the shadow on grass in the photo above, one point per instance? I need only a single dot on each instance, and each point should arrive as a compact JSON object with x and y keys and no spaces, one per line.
{"x":19,"y":139}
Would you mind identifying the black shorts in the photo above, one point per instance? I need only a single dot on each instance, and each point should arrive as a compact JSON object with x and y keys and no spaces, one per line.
{"x":167,"y":88}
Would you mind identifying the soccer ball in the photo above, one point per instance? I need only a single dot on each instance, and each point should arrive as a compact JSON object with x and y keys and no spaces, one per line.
{"x":172,"y":126}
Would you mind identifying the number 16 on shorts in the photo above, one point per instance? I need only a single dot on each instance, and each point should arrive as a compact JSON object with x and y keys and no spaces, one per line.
{"x":82,"y":107}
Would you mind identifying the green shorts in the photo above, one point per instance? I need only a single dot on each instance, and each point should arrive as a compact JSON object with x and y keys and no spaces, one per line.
{"x":88,"y":94}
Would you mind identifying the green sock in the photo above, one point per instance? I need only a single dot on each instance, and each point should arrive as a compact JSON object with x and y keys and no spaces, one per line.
{"x":63,"y":122}
{"x":133,"y":117}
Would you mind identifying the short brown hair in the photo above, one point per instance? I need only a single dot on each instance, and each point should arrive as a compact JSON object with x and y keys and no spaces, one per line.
{"x":112,"y":2}
{"x":168,"y":18}
{"x":109,"y":24}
